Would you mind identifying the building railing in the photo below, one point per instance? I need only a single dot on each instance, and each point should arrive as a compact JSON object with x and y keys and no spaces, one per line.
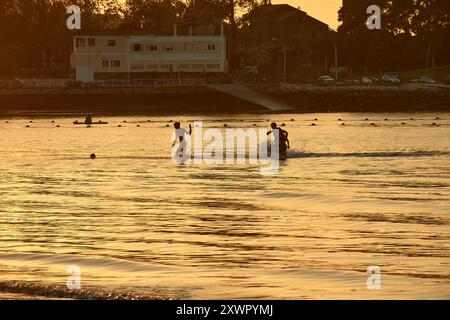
{"x":111,"y":83}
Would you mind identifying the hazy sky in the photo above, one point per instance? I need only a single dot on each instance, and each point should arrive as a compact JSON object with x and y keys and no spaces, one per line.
{"x":323,"y":10}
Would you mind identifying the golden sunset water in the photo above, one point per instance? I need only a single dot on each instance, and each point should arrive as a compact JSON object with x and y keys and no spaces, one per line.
{"x":372,"y":192}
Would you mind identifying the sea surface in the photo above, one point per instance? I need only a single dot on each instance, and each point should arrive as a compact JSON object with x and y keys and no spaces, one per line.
{"x":374,"y":192}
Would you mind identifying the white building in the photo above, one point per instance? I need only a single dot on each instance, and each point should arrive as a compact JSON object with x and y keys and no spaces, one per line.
{"x":145,"y":56}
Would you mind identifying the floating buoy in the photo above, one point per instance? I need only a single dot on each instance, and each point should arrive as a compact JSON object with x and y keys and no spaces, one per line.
{"x":6,"y":121}
{"x":93,"y":156}
{"x":385,"y":119}
{"x":437,"y":118}
{"x":254,"y":124}
{"x":167,"y":126}
{"x":339,"y":119}
{"x":138,"y":125}
{"x":292,"y":119}
{"x":367,"y":119}
{"x":31,"y":121}
{"x":170,"y":120}
{"x":342,"y":124}
{"x":57,"y":125}
{"x":315,"y":119}
{"x":403,"y":123}
{"x":119,"y":125}
{"x":242,"y":120}
{"x":372,"y":124}
{"x":27,"y":126}
{"x":313,"y":124}
{"x":53,"y":121}
{"x":124,"y":121}
{"x":148,"y":120}
{"x":283,"y":124}
{"x":225,"y":125}
{"x":411,"y":118}
{"x":434,"y":124}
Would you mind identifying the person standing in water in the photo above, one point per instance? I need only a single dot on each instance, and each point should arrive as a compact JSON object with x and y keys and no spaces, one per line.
{"x":88,"y":119}
{"x":281,"y":141}
{"x":179,"y":135}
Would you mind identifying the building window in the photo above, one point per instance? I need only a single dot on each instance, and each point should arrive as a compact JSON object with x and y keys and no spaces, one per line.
{"x":105,"y":63}
{"x":137,"y":47}
{"x":153,"y":47}
{"x":91,"y":42}
{"x":111,"y":43}
{"x":168,"y":47}
{"x":115,"y":63}
{"x":211,"y":47}
{"x":80,"y":42}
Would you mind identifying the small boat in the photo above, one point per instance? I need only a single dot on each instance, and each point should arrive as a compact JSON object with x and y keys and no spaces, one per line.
{"x":85,"y":123}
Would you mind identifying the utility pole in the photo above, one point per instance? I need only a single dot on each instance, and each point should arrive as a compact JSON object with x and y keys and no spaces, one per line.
{"x":335,"y":62}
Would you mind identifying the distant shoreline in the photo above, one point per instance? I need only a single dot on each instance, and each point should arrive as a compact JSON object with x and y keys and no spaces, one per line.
{"x":202,"y":100}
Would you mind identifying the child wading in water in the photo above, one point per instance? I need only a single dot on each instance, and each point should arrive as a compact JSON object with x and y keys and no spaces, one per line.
{"x":179,"y":134}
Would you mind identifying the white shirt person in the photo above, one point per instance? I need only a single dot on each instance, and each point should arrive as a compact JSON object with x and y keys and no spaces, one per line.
{"x":179,"y":134}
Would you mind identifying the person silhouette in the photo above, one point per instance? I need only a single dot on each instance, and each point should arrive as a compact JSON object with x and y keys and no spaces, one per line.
{"x":179,"y":135}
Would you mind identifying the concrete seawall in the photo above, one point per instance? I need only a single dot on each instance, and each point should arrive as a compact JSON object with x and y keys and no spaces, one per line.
{"x":201,"y":99}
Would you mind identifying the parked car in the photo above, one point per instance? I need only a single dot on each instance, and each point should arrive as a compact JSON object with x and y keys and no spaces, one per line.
{"x":366,"y":80}
{"x":447,"y":80}
{"x":325,"y":80}
{"x":249,"y":70}
{"x":423,"y":79}
{"x":391,"y":78}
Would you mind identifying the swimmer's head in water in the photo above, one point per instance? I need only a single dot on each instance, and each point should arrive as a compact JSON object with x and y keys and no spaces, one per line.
{"x":273,"y":125}
{"x":176,"y":125}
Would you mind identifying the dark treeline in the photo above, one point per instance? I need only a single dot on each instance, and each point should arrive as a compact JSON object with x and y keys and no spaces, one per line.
{"x":33,"y":33}
{"x":413,"y":33}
